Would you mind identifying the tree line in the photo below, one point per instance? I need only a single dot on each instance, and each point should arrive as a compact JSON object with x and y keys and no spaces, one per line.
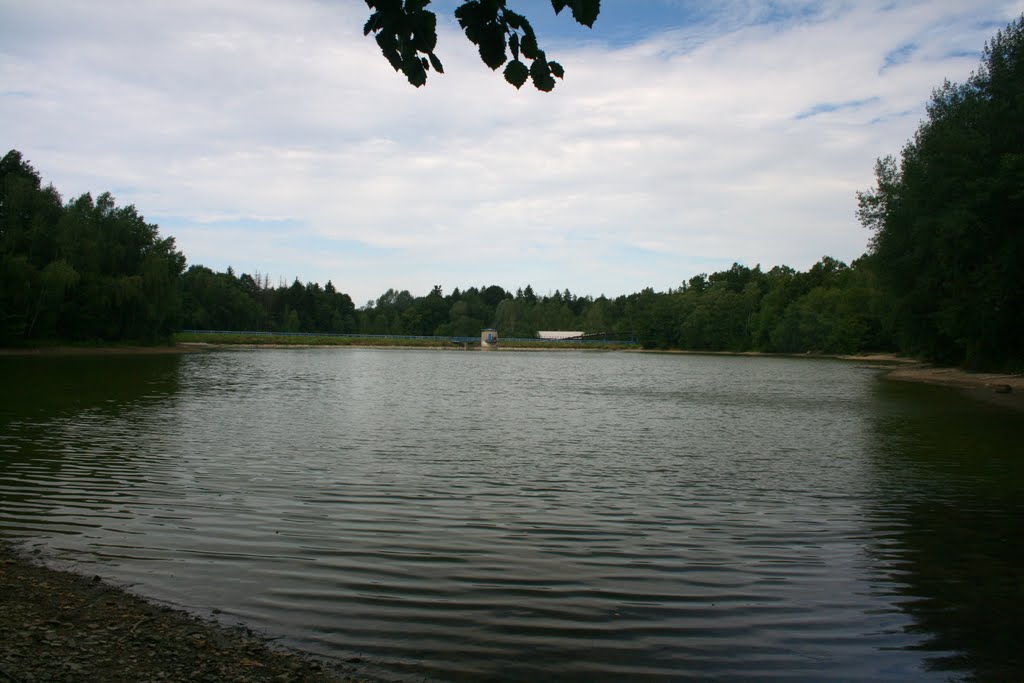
{"x":941,"y":279}
{"x":832,"y":308}
{"x":88,"y":270}
{"x":948,"y":218}
{"x":85,"y":269}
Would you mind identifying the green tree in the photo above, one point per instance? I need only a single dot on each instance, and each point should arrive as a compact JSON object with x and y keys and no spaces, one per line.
{"x":219,"y":301}
{"x":85,"y":270}
{"x":127,"y":284}
{"x":516,"y":318}
{"x":29,"y":214}
{"x":596,"y":318}
{"x":948,"y":241}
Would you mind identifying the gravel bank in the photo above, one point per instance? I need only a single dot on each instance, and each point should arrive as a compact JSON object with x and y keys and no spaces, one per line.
{"x":60,"y":627}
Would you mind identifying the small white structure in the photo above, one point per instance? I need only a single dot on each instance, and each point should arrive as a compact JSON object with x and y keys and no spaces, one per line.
{"x":488,"y":338}
{"x":558,"y":335}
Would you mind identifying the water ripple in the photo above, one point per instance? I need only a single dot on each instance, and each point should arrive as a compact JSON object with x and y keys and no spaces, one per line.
{"x":512,"y":517}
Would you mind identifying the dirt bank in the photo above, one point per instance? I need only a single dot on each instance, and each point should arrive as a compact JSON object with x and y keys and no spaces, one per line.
{"x":999,"y":389}
{"x":995,"y":388}
{"x":886,"y":359}
{"x":60,"y":627}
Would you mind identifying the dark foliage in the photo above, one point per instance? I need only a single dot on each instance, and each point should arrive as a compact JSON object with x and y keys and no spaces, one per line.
{"x":222,"y":301}
{"x":87,"y":270}
{"x":833,"y":308}
{"x":948,"y":218}
{"x":406,"y":32}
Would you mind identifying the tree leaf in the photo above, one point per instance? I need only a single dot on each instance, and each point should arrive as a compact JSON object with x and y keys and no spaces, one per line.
{"x":559,"y":5}
{"x":425,"y":31}
{"x":541,"y":75}
{"x":492,"y":47}
{"x":436,"y":63}
{"x":372,"y":24}
{"x":529,"y":45}
{"x":585,"y":11}
{"x":556,"y":69}
{"x":516,"y":73}
{"x":388,"y":46}
{"x":513,"y":19}
{"x":414,"y":71}
{"x":468,"y":14}
{"x":513,"y":45}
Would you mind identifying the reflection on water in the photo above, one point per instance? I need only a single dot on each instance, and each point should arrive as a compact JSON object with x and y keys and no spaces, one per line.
{"x":43,"y":387}
{"x":951,"y":521}
{"x":67,"y":426}
{"x":557,"y":516}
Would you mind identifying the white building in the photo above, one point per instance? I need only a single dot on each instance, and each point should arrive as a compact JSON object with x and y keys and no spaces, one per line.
{"x":558,"y":334}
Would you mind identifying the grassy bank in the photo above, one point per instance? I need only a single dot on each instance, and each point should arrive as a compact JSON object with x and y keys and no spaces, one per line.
{"x":243,"y":339}
{"x":278,"y":340}
{"x":563,"y":345}
{"x":65,"y":349}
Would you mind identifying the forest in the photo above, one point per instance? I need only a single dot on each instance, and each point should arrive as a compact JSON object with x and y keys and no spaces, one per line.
{"x":89,"y":271}
{"x":940,"y":280}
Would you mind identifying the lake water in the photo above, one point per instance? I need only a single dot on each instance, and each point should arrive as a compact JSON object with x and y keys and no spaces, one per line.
{"x":536,"y":516}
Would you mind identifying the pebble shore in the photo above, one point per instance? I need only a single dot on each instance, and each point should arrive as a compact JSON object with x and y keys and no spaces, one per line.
{"x":61,"y":627}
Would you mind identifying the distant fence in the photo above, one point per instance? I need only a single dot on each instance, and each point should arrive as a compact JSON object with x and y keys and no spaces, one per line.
{"x":459,"y":340}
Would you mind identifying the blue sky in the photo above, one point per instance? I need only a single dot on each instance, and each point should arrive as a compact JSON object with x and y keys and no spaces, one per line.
{"x":273,"y":137}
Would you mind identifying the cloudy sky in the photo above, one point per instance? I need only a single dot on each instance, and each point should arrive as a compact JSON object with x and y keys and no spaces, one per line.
{"x":273,"y":137}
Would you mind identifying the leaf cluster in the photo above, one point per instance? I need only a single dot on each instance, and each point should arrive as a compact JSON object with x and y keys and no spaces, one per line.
{"x":406,"y":32}
{"x":498,"y":31}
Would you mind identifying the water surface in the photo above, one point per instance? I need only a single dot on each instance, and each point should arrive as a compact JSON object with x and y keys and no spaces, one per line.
{"x":536,"y":516}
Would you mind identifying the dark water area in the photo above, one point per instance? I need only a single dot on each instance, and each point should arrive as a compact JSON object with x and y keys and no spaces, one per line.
{"x":537,"y":516}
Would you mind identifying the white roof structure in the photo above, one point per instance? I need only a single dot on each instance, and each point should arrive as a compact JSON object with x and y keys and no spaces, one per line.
{"x":558,"y":334}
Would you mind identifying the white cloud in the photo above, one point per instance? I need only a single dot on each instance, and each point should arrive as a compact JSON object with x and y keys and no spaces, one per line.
{"x":742,"y":140}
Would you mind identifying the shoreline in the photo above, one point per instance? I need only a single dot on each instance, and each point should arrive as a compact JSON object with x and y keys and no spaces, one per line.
{"x":999,"y":389}
{"x":1006,"y":390}
{"x":59,"y":625}
{"x":885,"y":358}
{"x":63,"y":351}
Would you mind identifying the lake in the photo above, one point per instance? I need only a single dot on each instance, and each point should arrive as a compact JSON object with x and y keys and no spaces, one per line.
{"x":536,"y":516}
